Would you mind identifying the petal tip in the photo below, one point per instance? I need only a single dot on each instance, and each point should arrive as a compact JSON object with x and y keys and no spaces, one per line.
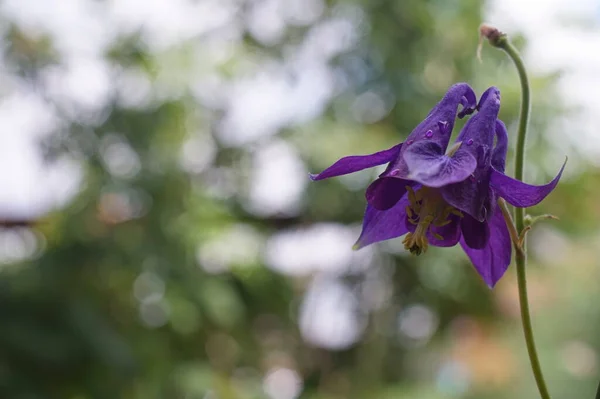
{"x":358,"y":245}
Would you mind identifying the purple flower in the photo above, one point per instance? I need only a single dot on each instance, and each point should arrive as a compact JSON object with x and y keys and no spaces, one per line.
{"x":440,"y":196}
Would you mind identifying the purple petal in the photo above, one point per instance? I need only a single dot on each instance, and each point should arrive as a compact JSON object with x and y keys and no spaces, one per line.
{"x":437,"y":126}
{"x":384,"y":192}
{"x":383,"y":225}
{"x":355,"y":163}
{"x":479,"y":131}
{"x":430,"y":167}
{"x":450,"y":233}
{"x":492,"y":261}
{"x":476,"y":234}
{"x":521,"y":194}
{"x":499,"y":152}
{"x":472,"y":196}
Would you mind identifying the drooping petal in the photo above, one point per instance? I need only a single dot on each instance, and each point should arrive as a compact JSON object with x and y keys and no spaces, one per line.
{"x":384,"y":192}
{"x":445,"y":236}
{"x":499,"y":152}
{"x":430,"y":167}
{"x":440,"y":236}
{"x":492,"y":260}
{"x":383,"y":225}
{"x":521,"y":194}
{"x":479,"y":131}
{"x":355,"y":163}
{"x":437,"y":127}
{"x":472,"y":195}
{"x":476,"y":234}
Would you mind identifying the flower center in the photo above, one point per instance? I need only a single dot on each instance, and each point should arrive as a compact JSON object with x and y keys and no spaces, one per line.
{"x":427,"y":208}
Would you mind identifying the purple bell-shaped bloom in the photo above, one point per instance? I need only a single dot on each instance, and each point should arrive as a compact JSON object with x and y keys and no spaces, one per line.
{"x":440,"y":196}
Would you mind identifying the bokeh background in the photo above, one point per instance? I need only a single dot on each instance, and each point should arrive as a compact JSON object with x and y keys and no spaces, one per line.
{"x":179,"y":250}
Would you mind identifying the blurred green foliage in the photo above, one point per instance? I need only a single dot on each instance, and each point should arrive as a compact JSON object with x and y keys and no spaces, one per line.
{"x":117,"y":303}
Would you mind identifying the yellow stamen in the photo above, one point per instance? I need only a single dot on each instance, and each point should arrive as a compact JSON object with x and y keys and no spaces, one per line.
{"x":426,"y":208}
{"x":442,"y":224}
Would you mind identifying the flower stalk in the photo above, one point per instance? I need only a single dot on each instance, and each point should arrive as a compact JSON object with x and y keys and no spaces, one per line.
{"x":500,"y":40}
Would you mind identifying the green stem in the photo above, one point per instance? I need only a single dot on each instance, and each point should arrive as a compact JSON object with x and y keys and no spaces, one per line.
{"x":501,"y":41}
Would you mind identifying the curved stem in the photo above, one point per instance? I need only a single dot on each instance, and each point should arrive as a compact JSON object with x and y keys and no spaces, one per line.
{"x":521,"y":261}
{"x":502,"y":42}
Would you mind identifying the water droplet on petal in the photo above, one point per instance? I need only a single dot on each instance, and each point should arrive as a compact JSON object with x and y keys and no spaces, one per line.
{"x":409,"y":142}
{"x":429,"y":134}
{"x":394,"y":172}
{"x":470,"y":142}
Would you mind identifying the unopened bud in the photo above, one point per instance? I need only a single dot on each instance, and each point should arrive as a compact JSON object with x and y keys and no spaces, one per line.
{"x":491,"y":33}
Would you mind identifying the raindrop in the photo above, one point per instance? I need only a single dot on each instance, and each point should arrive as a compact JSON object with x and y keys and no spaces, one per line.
{"x":470,"y":142}
{"x":429,"y":134}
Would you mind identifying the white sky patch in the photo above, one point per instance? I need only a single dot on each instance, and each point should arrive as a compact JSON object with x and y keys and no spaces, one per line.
{"x":277,"y":180}
{"x":274,"y":98}
{"x":265,"y":22}
{"x":82,"y":87}
{"x":324,"y":247}
{"x":330,"y":316}
{"x":75,"y":26}
{"x":85,"y":27}
{"x":167,"y":22}
{"x":286,"y":93}
{"x":29,"y":186}
{"x":268,"y":20}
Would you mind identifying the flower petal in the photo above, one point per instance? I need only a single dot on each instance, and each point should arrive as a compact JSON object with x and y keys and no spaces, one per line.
{"x":384,"y":192}
{"x":521,"y":194}
{"x":499,"y":152}
{"x":479,"y":131}
{"x":430,"y":167}
{"x":473,"y":195}
{"x":450,"y":233}
{"x":355,"y":163}
{"x":383,"y":225}
{"x":492,"y":261}
{"x":437,"y":126}
{"x":476,"y":234}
